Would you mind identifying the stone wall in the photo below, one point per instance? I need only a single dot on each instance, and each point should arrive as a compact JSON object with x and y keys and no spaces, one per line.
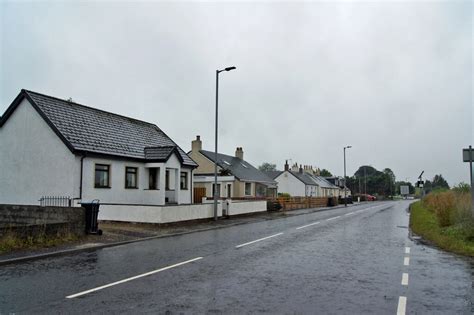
{"x":25,"y":220}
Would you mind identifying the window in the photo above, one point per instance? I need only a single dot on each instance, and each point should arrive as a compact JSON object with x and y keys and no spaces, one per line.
{"x":248,"y":189}
{"x":184,"y":180}
{"x":153,"y":178}
{"x":102,"y":176}
{"x":218,"y":190}
{"x":131,"y":177}
{"x":167,"y":180}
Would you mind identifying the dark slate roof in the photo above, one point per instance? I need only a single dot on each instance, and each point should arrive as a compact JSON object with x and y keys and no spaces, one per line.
{"x":273,"y":174}
{"x":305,"y":178}
{"x":322,"y":182}
{"x":160,"y":153}
{"x":241,"y":169}
{"x":87,"y":129}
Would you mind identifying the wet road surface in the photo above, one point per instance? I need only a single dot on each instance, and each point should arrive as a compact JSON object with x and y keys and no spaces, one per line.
{"x":345,"y":261}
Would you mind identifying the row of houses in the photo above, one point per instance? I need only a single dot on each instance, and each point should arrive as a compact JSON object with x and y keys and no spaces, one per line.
{"x":51,"y":146}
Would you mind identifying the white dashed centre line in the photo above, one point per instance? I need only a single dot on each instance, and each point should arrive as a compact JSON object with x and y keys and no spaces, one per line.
{"x":131,"y":278}
{"x":333,"y":218}
{"x":304,"y":226}
{"x":402,"y":305}
{"x":349,"y":213}
{"x":405,"y":278}
{"x":407,"y":250}
{"x":406,"y":261}
{"x":260,"y":239}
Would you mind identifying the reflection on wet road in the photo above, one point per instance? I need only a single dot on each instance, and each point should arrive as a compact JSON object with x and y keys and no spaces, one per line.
{"x":343,"y":261}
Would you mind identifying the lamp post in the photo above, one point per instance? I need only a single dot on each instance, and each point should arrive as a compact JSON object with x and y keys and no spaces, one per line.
{"x":215,"y":153}
{"x":345,"y":186}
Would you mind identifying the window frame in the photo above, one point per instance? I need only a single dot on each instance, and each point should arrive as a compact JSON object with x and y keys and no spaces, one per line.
{"x":156,"y":171}
{"x":107,"y":171}
{"x":127,"y":168}
{"x":250,"y":189}
{"x":186,"y":185}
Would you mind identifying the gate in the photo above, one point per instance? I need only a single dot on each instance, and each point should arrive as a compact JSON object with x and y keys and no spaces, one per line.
{"x":199,"y":192}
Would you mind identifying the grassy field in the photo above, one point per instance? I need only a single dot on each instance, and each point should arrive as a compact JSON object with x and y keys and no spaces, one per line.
{"x":444,"y":218}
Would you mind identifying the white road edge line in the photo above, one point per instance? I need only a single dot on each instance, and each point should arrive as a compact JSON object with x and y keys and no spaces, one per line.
{"x":131,"y":278}
{"x":405,"y":278}
{"x":407,"y":250}
{"x":333,"y":218}
{"x":304,"y":226}
{"x":406,"y":261}
{"x":260,"y":239}
{"x":402,"y":305}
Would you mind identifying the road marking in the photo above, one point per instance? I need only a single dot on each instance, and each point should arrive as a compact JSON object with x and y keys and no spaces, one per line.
{"x":405,"y":279}
{"x":407,"y":250}
{"x":406,"y":261}
{"x":402,"y":305}
{"x":131,"y":278}
{"x":333,"y":218}
{"x":304,"y":226}
{"x":260,"y":239}
{"x":349,"y":213}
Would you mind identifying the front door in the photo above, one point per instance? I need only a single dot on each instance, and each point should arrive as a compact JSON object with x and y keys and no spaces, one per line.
{"x":229,"y":191}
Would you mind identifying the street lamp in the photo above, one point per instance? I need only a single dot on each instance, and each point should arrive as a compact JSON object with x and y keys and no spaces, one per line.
{"x":215,"y":153}
{"x":345,"y":186}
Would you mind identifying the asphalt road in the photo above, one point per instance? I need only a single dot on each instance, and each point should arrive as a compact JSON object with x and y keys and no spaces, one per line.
{"x":343,"y":261}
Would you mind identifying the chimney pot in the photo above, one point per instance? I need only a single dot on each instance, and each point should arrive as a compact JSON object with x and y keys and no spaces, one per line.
{"x":239,"y":153}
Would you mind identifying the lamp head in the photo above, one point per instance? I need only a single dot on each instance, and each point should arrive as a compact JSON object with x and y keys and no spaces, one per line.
{"x":230,"y":68}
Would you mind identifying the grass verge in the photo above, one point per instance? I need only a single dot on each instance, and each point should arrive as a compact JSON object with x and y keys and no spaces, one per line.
{"x":457,"y":238}
{"x":10,"y":242}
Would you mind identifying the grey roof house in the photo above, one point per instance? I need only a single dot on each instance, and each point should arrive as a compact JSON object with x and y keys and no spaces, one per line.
{"x":247,"y":180}
{"x":303,"y":181}
{"x":52,"y":146}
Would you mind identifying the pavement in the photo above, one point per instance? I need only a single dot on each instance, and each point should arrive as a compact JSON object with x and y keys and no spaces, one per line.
{"x":354,"y":260}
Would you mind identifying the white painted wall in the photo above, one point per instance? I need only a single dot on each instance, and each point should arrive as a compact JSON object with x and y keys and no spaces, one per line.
{"x":34,"y":162}
{"x":167,"y":214}
{"x":141,"y":195}
{"x":157,"y":214}
{"x":242,"y":207}
{"x":288,"y":183}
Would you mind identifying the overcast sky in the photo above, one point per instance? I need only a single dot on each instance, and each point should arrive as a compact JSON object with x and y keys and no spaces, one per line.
{"x":392,"y":79}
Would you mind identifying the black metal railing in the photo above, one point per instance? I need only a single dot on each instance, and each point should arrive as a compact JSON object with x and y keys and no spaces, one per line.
{"x":55,"y":201}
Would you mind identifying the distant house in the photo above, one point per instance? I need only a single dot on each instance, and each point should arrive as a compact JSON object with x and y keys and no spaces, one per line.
{"x":237,"y":178}
{"x":303,"y":181}
{"x":50,"y":146}
{"x":339,"y":182}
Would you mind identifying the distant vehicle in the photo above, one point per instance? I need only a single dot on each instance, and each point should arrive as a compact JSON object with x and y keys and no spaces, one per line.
{"x":365,"y":197}
{"x":370,"y":197}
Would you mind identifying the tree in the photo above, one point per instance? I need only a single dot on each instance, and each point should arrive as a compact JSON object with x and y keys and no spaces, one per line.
{"x":439,"y":182}
{"x":265,"y":167}
{"x":325,"y":173}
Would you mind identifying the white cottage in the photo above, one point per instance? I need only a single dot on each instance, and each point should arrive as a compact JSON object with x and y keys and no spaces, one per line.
{"x":303,"y":182}
{"x":55,"y":147}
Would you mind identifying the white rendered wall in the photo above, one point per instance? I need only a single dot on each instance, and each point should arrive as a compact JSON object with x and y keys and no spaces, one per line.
{"x":290,"y":184}
{"x":242,"y":207}
{"x":157,"y":214}
{"x":34,"y":162}
{"x":117,"y":193}
{"x":167,"y":214}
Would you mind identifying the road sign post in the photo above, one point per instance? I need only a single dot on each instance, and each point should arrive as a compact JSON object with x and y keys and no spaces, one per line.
{"x":468,"y":155}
